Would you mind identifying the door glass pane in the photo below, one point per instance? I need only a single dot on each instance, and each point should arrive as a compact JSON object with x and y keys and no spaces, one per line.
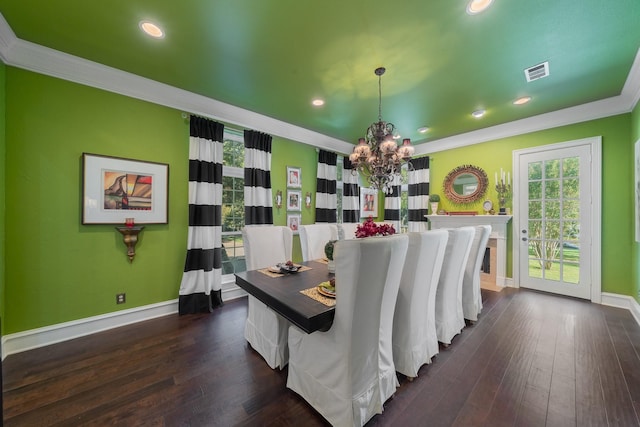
{"x":535,"y":229}
{"x":570,"y":188}
{"x":552,"y":169}
{"x":571,"y":272}
{"x":570,"y":231}
{"x":552,"y":271}
{"x":535,"y":210}
{"x":552,"y":210}
{"x":535,"y":190}
{"x":552,"y":230}
{"x":535,"y":170}
{"x":570,"y":167}
{"x":571,"y":209}
{"x":552,"y":189}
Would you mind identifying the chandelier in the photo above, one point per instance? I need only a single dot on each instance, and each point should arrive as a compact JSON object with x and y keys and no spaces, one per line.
{"x":377,"y":156}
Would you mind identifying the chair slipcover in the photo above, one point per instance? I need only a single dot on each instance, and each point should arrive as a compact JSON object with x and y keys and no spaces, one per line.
{"x":265,"y":330}
{"x":471,"y":296}
{"x":313,"y":237}
{"x":449,"y":316}
{"x":347,"y":230}
{"x":347,"y":372}
{"x":414,"y":323}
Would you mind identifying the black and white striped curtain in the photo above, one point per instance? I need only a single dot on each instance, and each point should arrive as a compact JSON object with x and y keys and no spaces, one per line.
{"x":326,"y":198}
{"x":350,"y":193}
{"x":392,"y":203}
{"x":258,"y":207}
{"x":418,"y":180}
{"x":200,"y":288}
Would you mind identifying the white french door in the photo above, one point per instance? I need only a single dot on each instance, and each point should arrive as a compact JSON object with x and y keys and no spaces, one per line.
{"x":557,"y":218}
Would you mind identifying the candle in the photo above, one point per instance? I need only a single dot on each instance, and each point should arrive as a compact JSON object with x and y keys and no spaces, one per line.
{"x":509,"y":178}
{"x":496,"y":177}
{"x":128,"y":222}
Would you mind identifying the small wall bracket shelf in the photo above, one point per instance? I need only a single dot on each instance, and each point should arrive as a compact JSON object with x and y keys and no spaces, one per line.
{"x":130,"y":238}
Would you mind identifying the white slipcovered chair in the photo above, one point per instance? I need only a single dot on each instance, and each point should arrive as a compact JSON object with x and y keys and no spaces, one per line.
{"x":347,"y":230}
{"x":313,"y":237}
{"x":449,"y":316}
{"x":471,"y":296}
{"x":265,"y":330}
{"x":347,"y":372}
{"x":415,"y":340}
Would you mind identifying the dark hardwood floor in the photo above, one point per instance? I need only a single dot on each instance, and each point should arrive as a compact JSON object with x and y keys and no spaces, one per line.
{"x":531,"y":360}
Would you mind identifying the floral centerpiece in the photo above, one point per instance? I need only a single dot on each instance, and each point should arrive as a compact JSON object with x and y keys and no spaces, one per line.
{"x":369,"y":228}
{"x":328,"y":251}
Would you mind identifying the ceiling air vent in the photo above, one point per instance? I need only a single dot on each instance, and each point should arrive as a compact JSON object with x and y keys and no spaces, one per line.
{"x":537,"y":71}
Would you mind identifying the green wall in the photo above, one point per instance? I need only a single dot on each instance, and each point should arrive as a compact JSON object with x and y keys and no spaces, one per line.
{"x":635,"y":136}
{"x":2,"y":191}
{"x":290,"y":153}
{"x":617,"y":206}
{"x":58,"y":269}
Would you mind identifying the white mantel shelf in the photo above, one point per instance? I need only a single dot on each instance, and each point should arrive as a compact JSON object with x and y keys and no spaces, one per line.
{"x":498,"y":225}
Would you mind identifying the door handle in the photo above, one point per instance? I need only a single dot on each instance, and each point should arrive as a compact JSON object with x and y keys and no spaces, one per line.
{"x":524,"y":239}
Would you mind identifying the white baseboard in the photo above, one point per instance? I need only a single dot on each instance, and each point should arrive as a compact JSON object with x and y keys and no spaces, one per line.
{"x":34,"y":338}
{"x":40,"y":337}
{"x":622,"y":301}
{"x":27,"y":340}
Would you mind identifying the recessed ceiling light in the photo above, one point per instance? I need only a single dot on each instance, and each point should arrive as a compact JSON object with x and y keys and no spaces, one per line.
{"x":151,"y":29}
{"x":476,"y":6}
{"x":318,"y":102}
{"x":478,"y":113}
{"x":522,"y":100}
{"x":423,"y":129}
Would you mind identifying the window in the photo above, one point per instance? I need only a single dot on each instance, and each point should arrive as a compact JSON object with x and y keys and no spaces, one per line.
{"x":233,"y":260}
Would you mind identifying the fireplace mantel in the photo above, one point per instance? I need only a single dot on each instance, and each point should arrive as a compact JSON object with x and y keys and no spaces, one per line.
{"x":498,"y":225}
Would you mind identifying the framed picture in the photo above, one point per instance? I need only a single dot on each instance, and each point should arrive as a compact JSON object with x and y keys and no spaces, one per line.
{"x":293,"y":221}
{"x":294,"y":200}
{"x":368,"y":202}
{"x":294,"y":177}
{"x":114,"y":189}
{"x":637,"y":189}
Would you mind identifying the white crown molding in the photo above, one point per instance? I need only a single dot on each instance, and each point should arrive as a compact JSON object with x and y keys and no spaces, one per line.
{"x":623,"y":103}
{"x":32,"y":57}
{"x":29,"y":56}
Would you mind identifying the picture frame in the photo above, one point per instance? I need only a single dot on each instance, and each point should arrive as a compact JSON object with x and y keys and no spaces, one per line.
{"x":293,"y":222}
{"x":294,"y":177}
{"x":294,"y":200}
{"x":116,"y":189}
{"x":368,"y":202}
{"x":637,"y":189}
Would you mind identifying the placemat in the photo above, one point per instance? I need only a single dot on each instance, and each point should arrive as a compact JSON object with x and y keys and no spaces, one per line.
{"x":313,"y":293}
{"x":272,"y":274}
{"x":322,"y":261}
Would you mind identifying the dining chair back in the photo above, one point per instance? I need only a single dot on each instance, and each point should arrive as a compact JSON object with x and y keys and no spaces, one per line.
{"x":313,"y":238}
{"x":347,"y":230}
{"x":449,"y":316}
{"x":265,"y":330}
{"x":471,"y":296}
{"x":415,"y":340}
{"x":347,"y":372}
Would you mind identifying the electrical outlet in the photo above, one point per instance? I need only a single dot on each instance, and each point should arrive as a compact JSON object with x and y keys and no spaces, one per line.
{"x":121,"y":298}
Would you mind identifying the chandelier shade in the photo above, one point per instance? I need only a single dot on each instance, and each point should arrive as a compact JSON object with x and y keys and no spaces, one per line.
{"x":377,"y":157}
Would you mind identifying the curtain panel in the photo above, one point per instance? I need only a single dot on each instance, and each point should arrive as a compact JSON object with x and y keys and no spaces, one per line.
{"x":201,"y":285}
{"x":418,"y":202}
{"x":392,"y":203}
{"x":258,"y":206}
{"x":350,"y":193}
{"x":326,"y":198}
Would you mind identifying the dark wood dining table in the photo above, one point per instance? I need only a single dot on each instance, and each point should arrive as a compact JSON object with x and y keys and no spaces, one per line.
{"x":282,"y":295}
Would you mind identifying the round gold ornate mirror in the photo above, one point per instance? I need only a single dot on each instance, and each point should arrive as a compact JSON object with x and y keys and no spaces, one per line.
{"x":465,"y":184}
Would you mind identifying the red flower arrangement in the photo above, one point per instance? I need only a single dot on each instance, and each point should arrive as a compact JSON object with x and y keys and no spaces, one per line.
{"x":369,"y":228}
